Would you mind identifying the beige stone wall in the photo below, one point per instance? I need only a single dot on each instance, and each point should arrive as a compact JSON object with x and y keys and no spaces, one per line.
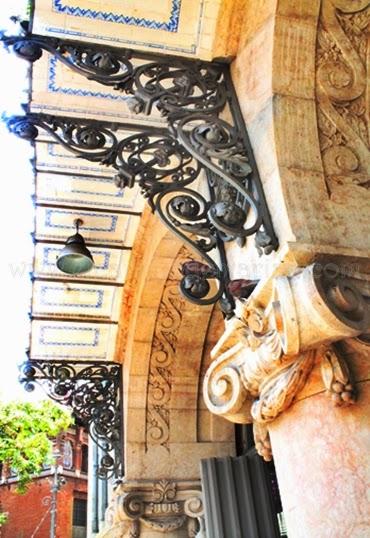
{"x":328,"y":448}
{"x":300,"y":75}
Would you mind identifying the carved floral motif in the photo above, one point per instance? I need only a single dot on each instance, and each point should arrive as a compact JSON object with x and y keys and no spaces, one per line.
{"x":342,"y":105}
{"x":163,"y":355}
{"x":162,"y":506}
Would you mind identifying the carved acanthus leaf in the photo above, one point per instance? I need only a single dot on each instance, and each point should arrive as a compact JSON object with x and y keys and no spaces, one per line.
{"x":164,"y":490}
{"x":341,"y":62}
{"x":278,"y":391}
{"x":264,"y":358}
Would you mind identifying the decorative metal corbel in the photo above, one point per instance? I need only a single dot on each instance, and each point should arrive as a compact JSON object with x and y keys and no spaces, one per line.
{"x":196,"y":144}
{"x":93,"y":390}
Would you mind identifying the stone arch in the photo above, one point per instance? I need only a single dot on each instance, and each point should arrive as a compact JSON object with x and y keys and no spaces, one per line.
{"x":163,"y":343}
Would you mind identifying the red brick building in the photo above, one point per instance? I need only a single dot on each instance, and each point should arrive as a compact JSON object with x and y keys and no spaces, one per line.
{"x":29,"y":515}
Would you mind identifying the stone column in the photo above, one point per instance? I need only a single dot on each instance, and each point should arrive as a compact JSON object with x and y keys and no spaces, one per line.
{"x":297,"y":367}
{"x":321,"y":453}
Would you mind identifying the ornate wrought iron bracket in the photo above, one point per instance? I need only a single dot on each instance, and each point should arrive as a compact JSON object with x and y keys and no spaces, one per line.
{"x":93,"y":390}
{"x":198,"y":173}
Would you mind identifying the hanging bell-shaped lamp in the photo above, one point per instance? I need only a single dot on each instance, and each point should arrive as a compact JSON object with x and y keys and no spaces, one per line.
{"x":75,"y":258}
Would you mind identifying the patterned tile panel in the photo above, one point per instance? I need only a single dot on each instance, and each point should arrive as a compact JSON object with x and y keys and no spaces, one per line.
{"x":98,"y":227}
{"x":110,"y":264}
{"x":72,"y":341}
{"x":184,"y":27}
{"x":94,"y":192}
{"x":169,"y":24}
{"x":66,"y":299}
{"x":53,"y":157}
{"x":59,"y":90}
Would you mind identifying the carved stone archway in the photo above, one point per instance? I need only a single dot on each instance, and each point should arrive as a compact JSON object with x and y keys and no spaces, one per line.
{"x":164,"y":345}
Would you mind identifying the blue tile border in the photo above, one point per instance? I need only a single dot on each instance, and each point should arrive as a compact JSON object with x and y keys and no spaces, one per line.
{"x":117,"y":195}
{"x":94,"y":331}
{"x":171,"y":25}
{"x":47,"y":221}
{"x":143,"y":119}
{"x":127,"y":42}
{"x":45,"y":289}
{"x":54,"y":88}
{"x":46,"y":262}
{"x":116,"y":40}
{"x":50,"y":212}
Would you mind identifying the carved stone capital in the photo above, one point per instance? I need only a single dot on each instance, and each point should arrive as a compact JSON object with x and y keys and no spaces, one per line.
{"x":263,"y":359}
{"x":163,"y":506}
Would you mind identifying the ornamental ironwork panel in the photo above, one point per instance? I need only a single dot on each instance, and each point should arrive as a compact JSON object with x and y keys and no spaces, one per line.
{"x":93,"y":390}
{"x":198,"y":173}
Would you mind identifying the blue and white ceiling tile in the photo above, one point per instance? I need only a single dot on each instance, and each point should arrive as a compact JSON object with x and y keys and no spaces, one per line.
{"x":94,"y":192}
{"x":76,"y":300}
{"x":60,"y":340}
{"x":56,"y":89}
{"x":53,"y":157}
{"x":184,"y":27}
{"x":110,"y":265}
{"x":100,"y":228}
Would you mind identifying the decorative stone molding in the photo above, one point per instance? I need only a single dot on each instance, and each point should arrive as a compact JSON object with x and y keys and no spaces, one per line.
{"x":162,"y":358}
{"x":266,"y":353}
{"x":163,"y":506}
{"x":341,"y":60}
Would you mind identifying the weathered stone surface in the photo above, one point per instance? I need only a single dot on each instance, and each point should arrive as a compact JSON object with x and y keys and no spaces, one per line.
{"x":328,"y":448}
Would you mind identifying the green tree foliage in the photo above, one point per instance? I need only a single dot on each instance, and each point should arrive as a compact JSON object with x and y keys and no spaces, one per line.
{"x":25,"y":433}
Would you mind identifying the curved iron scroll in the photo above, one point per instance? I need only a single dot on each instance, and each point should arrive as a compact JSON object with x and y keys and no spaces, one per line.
{"x":177,"y":87}
{"x":197,"y":145}
{"x":166,"y":166}
{"x":93,"y":391}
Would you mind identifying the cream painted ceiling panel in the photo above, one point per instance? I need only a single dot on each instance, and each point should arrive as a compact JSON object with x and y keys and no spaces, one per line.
{"x":184,"y":27}
{"x":98,"y":227}
{"x":94,"y":192}
{"x":72,"y":341}
{"x":67,"y":299}
{"x":110,"y":265}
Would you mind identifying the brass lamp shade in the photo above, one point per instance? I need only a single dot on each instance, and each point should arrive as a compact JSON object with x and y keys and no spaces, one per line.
{"x":75,"y":258}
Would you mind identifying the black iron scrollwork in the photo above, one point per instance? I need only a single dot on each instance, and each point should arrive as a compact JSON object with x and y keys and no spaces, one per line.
{"x":93,"y":392}
{"x":177,"y":88}
{"x":110,"y":67}
{"x":196,"y":145}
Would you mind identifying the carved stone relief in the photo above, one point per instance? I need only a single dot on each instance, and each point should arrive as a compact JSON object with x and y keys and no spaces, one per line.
{"x":163,"y":356}
{"x":266,"y":354}
{"x":163,"y":506}
{"x":342,"y":103}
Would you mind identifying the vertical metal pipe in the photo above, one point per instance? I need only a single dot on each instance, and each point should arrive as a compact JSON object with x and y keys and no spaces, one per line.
{"x":53,"y":503}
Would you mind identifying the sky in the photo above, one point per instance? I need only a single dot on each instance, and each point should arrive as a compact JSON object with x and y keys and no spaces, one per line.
{"x":16,"y":217}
